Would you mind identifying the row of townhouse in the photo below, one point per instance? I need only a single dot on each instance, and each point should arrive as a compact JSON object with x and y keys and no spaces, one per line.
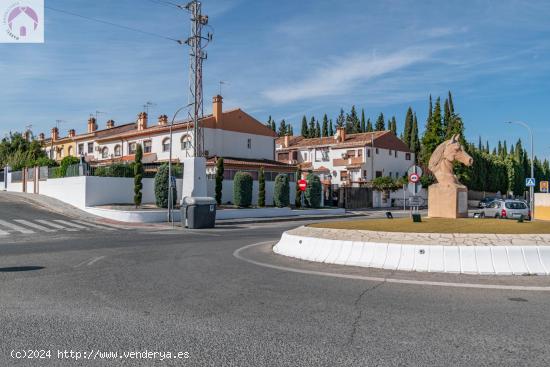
{"x":244,"y":142}
{"x":347,"y":159}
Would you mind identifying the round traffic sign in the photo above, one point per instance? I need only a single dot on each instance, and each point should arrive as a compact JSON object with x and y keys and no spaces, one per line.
{"x":302,"y":184}
{"x":414,"y":177}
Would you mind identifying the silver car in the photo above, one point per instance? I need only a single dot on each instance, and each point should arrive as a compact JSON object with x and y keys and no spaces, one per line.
{"x":512,"y":209}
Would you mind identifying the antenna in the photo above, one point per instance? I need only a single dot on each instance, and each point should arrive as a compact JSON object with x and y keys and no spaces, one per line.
{"x":59,"y":122}
{"x":147,"y":106}
{"x":222,"y":82}
{"x":196,"y":57}
{"x":98,"y":113}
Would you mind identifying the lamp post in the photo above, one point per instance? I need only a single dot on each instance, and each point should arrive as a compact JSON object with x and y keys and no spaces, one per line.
{"x":170,"y":187}
{"x":531,"y":188}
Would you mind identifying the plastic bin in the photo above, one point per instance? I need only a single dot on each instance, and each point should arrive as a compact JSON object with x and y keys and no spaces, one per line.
{"x":198,"y":212}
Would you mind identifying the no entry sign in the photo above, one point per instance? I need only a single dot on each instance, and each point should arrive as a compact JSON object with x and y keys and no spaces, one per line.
{"x":414,"y":177}
{"x":302,"y":184}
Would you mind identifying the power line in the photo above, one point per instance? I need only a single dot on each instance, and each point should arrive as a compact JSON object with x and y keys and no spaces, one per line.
{"x":113,"y":24}
{"x":167,"y":3}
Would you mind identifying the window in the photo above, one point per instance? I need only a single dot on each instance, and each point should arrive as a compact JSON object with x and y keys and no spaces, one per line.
{"x":390,"y":175}
{"x":350,"y":153}
{"x":360,"y":153}
{"x":166,"y":145}
{"x":70,"y":151}
{"x":185,"y":142}
{"x":377,"y":151}
{"x":305,"y":157}
{"x":283,"y":157}
{"x":118,"y":151}
{"x":390,"y":151}
{"x":294,"y":155}
{"x":395,"y":154}
{"x":105,"y":152}
{"x":378,"y":174}
{"x":80,"y":149}
{"x":368,"y":153}
{"x":365,"y":174}
{"x":132,"y":148}
{"x":249,"y":143}
{"x":147,"y":146}
{"x":408,"y":156}
{"x":90,"y":148}
{"x":343,"y":175}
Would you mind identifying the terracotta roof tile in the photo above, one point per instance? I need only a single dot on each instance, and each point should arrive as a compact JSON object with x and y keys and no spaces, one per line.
{"x":231,"y":162}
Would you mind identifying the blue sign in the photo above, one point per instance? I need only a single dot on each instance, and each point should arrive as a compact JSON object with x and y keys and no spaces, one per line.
{"x":530,"y":182}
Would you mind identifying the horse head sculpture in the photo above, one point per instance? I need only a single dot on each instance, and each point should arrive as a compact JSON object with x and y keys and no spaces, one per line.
{"x":441,"y":161}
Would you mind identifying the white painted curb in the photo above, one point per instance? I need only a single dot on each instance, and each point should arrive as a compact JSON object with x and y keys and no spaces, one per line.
{"x":496,"y":260}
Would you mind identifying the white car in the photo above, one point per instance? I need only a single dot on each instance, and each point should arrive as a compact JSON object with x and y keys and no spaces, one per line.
{"x":511,"y":209}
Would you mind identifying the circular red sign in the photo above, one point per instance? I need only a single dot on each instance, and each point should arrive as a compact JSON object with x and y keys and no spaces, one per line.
{"x":414,"y":177}
{"x":302,"y":184}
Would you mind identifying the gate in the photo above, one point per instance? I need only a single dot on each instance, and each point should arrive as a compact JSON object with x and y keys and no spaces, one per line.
{"x":355,"y":197}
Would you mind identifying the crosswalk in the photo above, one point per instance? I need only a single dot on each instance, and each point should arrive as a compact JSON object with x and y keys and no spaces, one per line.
{"x":32,"y":226}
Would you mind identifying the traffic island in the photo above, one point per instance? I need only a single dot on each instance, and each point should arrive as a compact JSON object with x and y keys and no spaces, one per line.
{"x":467,"y":246}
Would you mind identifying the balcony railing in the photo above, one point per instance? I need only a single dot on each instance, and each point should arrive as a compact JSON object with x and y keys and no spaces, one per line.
{"x":347,"y":161}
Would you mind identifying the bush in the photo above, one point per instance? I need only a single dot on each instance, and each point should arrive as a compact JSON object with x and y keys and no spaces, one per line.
{"x":281,"y":192}
{"x":138,"y":176}
{"x":261,"y":188}
{"x":314,"y":190}
{"x":65,"y":164}
{"x":242,"y":189}
{"x":298,"y":198}
{"x":219,"y":180}
{"x":44,"y":162}
{"x":161,"y":188}
{"x":384,"y":183}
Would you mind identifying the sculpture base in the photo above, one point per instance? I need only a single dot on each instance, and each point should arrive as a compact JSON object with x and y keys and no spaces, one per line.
{"x":447,"y":201}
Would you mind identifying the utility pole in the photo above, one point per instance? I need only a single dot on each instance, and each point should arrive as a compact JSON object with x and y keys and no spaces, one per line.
{"x":196,"y":57}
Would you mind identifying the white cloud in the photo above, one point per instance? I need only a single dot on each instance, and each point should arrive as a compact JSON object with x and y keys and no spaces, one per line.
{"x":342,"y":75}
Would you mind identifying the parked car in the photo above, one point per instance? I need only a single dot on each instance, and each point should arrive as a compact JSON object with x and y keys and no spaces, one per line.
{"x":512,"y":209}
{"x":486,"y":201}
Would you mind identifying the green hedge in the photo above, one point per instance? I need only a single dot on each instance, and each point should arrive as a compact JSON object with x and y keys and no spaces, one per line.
{"x":313,"y":191}
{"x":282,"y":191}
{"x":161,"y":188}
{"x":242,"y":189}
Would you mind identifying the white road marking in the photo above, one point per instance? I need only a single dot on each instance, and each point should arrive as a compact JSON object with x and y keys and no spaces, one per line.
{"x":89,"y":262}
{"x":55,"y":225}
{"x":237,"y":254}
{"x":34,"y":225}
{"x":3,"y":233}
{"x":15,"y":227}
{"x":67,"y":223}
{"x":94,"y":225}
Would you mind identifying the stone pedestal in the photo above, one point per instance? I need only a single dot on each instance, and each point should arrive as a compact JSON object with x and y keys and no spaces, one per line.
{"x":447,"y":201}
{"x":194,"y":177}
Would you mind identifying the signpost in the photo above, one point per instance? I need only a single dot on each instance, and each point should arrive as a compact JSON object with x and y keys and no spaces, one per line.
{"x":544,"y":186}
{"x":414,"y":173}
{"x":530,"y":182}
{"x":302,"y":185}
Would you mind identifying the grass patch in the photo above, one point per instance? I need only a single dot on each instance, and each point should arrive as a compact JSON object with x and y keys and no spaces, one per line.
{"x":441,"y":225}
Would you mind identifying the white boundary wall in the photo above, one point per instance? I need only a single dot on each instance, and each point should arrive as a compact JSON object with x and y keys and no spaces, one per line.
{"x":497,"y":260}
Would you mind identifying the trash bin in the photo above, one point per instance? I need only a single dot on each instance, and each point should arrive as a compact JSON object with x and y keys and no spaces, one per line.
{"x":198,"y":212}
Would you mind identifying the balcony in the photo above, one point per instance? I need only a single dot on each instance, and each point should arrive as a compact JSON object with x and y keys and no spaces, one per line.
{"x":347,"y":161}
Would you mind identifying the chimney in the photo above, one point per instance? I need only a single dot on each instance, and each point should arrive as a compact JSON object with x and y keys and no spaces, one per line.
{"x":163,"y":120}
{"x":110,"y":124}
{"x":286,"y":141}
{"x":340,"y":134}
{"x":72,"y":133}
{"x":142,"y":121}
{"x":41,"y":136}
{"x":27,"y":135}
{"x":55,"y":134}
{"x":217,"y":108}
{"x":92,"y":126}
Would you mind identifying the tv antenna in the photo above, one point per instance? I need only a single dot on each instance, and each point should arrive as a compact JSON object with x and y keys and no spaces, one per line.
{"x":147,"y":106}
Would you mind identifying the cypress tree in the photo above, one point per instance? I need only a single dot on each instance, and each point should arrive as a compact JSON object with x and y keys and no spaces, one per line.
{"x":268,"y":124}
{"x":261,"y":188}
{"x":354,"y":123}
{"x":330,"y":128}
{"x":298,"y":197}
{"x":487,"y":146}
{"x":432,"y":134}
{"x":283,"y":130}
{"x":290,"y":130}
{"x":305,"y":130}
{"x":447,"y":119}
{"x":393,"y":126}
{"x":363,"y":126}
{"x":499,"y":150}
{"x":317,"y":129}
{"x":219,"y":180}
{"x":325,"y":131}
{"x":138,"y":176}
{"x":415,"y":140}
{"x":504,"y":149}
{"x":312,"y":133}
{"x":451,"y":106}
{"x":479,"y":145}
{"x":341,"y":120}
{"x":438,"y":125}
{"x":407,"y":131}
{"x":369,"y":126}
{"x":380,"y":125}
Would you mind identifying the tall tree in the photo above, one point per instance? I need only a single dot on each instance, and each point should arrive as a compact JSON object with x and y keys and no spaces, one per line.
{"x":353,"y":125}
{"x":451,"y":106}
{"x":305,"y":130}
{"x":138,"y":176}
{"x":341,"y":120}
{"x":479,"y":145}
{"x":290,"y":130}
{"x":330,"y":128}
{"x":317,"y":129}
{"x":282,"y":128}
{"x":414,"y":145}
{"x":268,"y":124}
{"x":393,"y":126}
{"x":312,"y":132}
{"x":446,"y":117}
{"x":380,"y":124}
{"x":261,"y":188}
{"x":407,"y":131}
{"x":433,"y":135}
{"x":363,"y":122}
{"x":325,"y":131}
{"x":369,"y":126}
{"x":219,"y":180}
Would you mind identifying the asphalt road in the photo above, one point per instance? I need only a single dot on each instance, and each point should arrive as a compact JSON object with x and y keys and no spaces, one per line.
{"x":184,"y":291}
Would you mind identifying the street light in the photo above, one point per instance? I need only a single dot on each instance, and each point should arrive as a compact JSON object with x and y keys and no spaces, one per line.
{"x":170,"y":187}
{"x":531,"y":188}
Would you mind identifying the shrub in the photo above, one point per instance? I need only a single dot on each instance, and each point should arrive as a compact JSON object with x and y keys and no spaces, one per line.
{"x":313,"y":191}
{"x":261,"y":188}
{"x":44,"y":162}
{"x":384,"y":183}
{"x":138,"y":176}
{"x":281,"y":192}
{"x":242,"y":189}
{"x":65,"y":164}
{"x":161,"y":188}
{"x":298,"y":198}
{"x":219,"y":180}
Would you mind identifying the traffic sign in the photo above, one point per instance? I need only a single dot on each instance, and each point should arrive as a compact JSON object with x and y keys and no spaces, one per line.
{"x":414,"y":178}
{"x":414,"y":169}
{"x":543,"y":186}
{"x":302,"y":184}
{"x":415,"y":201}
{"x":530,"y":182}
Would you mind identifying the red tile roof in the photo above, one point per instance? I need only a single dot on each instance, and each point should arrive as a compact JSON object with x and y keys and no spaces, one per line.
{"x":231,"y":162}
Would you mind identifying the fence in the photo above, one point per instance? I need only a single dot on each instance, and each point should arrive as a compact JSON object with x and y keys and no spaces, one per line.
{"x":17,"y":176}
{"x":1,"y":175}
{"x":355,"y":197}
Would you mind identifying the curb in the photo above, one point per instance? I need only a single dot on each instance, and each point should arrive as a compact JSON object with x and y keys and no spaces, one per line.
{"x":484,"y":260}
{"x":285,"y":219}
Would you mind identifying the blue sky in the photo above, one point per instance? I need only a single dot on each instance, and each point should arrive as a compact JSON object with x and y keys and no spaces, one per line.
{"x":290,"y":58}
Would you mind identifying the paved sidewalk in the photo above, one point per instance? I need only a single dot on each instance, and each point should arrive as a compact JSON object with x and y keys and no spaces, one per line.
{"x":445,"y":239}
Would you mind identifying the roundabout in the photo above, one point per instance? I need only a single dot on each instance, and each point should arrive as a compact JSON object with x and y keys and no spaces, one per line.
{"x":463,"y":246}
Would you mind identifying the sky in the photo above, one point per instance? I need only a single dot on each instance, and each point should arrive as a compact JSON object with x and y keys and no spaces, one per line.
{"x":288,"y":59}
